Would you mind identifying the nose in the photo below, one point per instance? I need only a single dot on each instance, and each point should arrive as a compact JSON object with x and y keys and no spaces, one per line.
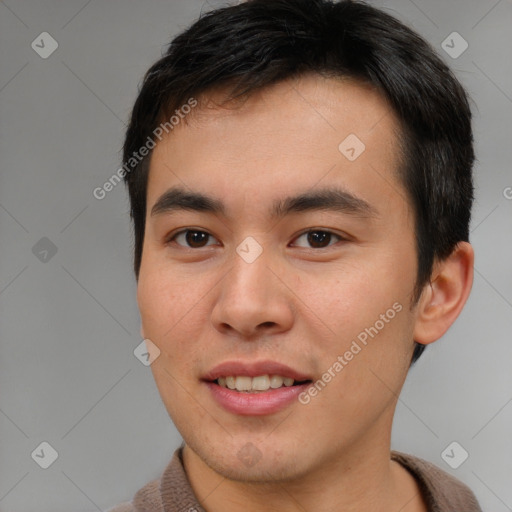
{"x":252,"y":301}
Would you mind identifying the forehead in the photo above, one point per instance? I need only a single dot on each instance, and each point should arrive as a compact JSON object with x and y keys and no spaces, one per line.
{"x":289,"y":136}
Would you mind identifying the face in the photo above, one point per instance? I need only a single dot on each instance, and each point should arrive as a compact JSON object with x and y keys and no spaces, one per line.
{"x":277,"y":244}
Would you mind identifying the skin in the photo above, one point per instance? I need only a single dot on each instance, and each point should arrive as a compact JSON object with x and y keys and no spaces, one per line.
{"x":298,"y":304}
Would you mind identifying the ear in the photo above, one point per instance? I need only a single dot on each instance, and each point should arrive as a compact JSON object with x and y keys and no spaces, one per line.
{"x":444,"y":296}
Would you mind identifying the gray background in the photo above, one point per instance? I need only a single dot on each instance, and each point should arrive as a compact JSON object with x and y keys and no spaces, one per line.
{"x":69,"y":321}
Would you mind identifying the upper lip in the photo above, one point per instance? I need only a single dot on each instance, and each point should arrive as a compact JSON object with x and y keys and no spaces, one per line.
{"x":253,"y":369}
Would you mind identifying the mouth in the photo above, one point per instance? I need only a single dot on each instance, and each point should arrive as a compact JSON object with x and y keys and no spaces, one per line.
{"x":258,"y":384}
{"x":257,"y":388}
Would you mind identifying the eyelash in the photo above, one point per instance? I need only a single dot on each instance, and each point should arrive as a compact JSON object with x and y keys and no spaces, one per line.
{"x":171,"y":239}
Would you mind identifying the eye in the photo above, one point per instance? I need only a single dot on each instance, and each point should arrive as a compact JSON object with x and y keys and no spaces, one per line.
{"x":191,"y":238}
{"x":317,"y":239}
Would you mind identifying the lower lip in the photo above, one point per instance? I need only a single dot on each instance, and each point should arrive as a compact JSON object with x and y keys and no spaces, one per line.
{"x":256,"y":404}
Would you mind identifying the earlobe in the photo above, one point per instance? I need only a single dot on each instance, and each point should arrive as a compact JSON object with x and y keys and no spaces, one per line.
{"x":444,"y":297}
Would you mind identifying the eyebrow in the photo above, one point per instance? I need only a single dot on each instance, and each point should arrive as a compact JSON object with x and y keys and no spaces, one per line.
{"x":326,"y":199}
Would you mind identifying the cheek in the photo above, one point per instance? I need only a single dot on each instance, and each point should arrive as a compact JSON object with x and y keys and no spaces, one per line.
{"x":174,"y":313}
{"x":366,"y":308}
{"x":369,"y":361}
{"x":164,"y":293}
{"x":157,"y":298}
{"x":350,"y":297}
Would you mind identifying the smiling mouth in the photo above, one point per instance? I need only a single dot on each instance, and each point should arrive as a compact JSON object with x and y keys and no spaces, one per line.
{"x":258,"y":384}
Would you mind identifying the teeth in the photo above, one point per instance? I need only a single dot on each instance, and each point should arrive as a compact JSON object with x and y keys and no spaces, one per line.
{"x":259,"y":383}
{"x":276,"y":381}
{"x":243,"y":383}
{"x":230,"y":382}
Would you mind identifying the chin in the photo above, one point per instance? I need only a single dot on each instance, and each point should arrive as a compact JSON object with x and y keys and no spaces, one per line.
{"x":244,"y":462}
{"x":263,"y":472}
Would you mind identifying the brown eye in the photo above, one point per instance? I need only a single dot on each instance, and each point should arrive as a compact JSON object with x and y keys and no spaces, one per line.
{"x":317,"y":239}
{"x":192,"y":238}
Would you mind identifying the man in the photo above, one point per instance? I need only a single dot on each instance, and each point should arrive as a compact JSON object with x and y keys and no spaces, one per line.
{"x":300,"y":181}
